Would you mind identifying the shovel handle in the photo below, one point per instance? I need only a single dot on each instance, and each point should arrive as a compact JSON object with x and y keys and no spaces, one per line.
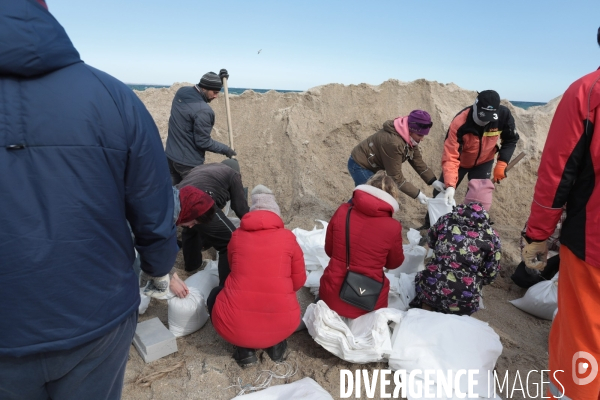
{"x":229,"y":127}
{"x":515,"y":161}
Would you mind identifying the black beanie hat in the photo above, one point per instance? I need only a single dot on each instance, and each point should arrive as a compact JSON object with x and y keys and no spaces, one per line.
{"x":210,"y":81}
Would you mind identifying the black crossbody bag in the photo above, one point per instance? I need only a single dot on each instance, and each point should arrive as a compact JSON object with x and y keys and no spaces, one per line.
{"x":357,"y":289}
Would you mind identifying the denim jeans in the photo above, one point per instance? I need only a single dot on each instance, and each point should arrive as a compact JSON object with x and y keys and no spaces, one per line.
{"x":359,"y":174}
{"x":93,"y":370}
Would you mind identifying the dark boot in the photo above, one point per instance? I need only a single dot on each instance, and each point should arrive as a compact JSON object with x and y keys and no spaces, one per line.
{"x":278,"y":351}
{"x":245,"y":357}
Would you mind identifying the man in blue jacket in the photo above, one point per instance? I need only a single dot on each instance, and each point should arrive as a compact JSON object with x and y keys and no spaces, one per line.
{"x":190,"y":125}
{"x":80,"y":157}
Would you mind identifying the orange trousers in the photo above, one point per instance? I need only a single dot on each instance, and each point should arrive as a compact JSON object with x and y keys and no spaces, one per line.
{"x":574,"y":343}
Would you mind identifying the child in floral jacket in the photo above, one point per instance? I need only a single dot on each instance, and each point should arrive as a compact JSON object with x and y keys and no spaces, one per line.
{"x":466,"y":255}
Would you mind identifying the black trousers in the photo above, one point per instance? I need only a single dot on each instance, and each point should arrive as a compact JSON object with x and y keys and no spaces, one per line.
{"x":523,"y":279}
{"x":481,"y":171}
{"x":217,"y":234}
{"x":212,"y":297}
{"x":178,"y":171}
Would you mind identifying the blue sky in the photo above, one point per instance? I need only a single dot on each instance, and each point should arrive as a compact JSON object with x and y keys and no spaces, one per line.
{"x":526,"y":50}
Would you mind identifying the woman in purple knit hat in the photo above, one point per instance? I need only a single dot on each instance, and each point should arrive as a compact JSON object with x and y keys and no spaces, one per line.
{"x":387,"y":149}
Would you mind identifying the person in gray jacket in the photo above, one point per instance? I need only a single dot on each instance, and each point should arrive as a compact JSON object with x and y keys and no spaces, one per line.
{"x":190,"y":125}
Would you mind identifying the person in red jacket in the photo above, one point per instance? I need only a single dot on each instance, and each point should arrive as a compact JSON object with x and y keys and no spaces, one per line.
{"x":375,"y":242}
{"x":257,"y":308}
{"x":569,"y":173}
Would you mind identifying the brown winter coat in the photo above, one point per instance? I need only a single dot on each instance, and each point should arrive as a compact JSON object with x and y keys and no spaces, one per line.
{"x":388,"y":152}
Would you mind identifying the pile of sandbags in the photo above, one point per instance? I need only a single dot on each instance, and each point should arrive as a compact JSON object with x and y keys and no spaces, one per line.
{"x":361,"y":340}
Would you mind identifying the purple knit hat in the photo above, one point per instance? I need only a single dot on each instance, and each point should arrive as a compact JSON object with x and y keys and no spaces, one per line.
{"x":419,"y":122}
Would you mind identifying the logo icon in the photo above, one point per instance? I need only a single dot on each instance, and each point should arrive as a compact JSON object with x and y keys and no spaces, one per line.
{"x":582,"y":367}
{"x":362,"y":290}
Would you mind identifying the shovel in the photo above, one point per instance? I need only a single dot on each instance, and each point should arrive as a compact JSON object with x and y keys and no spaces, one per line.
{"x":224,"y":76}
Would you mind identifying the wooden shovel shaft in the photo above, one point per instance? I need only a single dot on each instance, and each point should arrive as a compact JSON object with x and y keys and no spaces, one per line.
{"x":515,"y":161}
{"x":229,"y":127}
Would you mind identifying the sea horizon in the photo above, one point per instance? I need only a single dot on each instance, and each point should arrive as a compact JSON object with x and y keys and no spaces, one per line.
{"x":141,"y":87}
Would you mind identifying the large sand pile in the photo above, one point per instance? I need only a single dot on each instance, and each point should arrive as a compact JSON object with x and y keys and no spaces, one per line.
{"x":298,"y":144}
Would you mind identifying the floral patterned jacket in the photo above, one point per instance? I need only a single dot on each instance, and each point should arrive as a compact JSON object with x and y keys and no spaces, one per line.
{"x":466,"y":257}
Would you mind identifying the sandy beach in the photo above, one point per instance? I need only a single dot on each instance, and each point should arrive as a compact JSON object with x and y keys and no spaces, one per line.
{"x":298,"y":145}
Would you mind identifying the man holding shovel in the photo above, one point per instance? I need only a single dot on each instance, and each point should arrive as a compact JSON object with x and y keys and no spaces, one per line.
{"x":474,"y":137}
{"x":190,"y":125}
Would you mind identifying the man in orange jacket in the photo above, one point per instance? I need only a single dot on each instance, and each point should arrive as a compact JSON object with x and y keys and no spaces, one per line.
{"x":569,"y":173}
{"x":474,"y":137}
{"x":473,"y":140}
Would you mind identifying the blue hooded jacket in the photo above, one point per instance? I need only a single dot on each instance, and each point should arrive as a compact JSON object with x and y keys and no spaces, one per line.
{"x":80,"y":156}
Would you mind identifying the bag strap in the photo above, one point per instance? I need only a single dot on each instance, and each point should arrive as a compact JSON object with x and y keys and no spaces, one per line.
{"x":348,"y":239}
{"x":348,"y":244}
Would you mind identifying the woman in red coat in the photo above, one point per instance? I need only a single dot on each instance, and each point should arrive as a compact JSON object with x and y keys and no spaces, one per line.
{"x":257,"y":308}
{"x":375,"y":242}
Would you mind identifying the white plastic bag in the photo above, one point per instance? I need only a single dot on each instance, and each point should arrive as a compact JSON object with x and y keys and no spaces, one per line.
{"x":402,"y":291}
{"x":438,"y":207}
{"x":313,"y":280}
{"x":426,"y":340}
{"x":304,"y":389}
{"x":144,"y":302}
{"x":204,"y":281}
{"x":187,"y":315}
{"x":312,"y":244}
{"x":414,"y":255}
{"x":540,"y":300}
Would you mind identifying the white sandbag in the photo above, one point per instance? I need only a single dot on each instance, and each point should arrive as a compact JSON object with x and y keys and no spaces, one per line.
{"x":433,"y":390}
{"x":554,"y":315}
{"x":144,"y":302}
{"x":402,"y":290}
{"x":362,"y":340}
{"x":414,"y":255}
{"x":426,"y":340}
{"x":438,"y":207}
{"x":313,"y":280}
{"x":204,"y":281}
{"x":304,"y":389}
{"x":540,"y":300}
{"x":312,"y":244}
{"x":187,"y":315}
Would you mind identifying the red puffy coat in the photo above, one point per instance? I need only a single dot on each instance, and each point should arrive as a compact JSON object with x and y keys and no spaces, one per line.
{"x":258,"y":307}
{"x":375,"y":242}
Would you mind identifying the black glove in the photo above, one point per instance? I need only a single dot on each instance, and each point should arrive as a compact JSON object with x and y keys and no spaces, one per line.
{"x":230,"y":153}
{"x":223,"y":74}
